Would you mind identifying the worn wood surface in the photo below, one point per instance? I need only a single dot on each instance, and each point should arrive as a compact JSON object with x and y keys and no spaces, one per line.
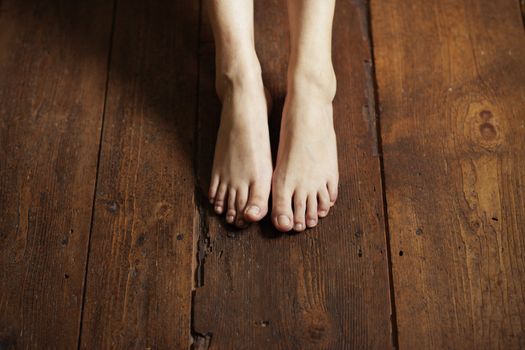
{"x":137,"y":76}
{"x":327,"y":288}
{"x":52,"y":76}
{"x":139,"y":267}
{"x":452,"y":98}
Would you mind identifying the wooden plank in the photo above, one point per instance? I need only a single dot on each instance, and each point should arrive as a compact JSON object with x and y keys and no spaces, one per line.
{"x":53,"y":65}
{"x":139,"y":268}
{"x":522,"y":5}
{"x":327,"y":288}
{"x":452,"y":93}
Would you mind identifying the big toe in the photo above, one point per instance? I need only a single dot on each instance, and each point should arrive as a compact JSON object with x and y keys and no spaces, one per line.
{"x":282,"y":214}
{"x":257,"y":205}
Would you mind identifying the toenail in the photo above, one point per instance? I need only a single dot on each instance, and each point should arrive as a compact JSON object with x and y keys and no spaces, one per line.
{"x":253,"y":210}
{"x":322,"y":212}
{"x":298,"y":226}
{"x":311,"y":222}
{"x":283,"y":220}
{"x":241,"y":222}
{"x":211,"y":200}
{"x":230,"y":218}
{"x":218,"y":209}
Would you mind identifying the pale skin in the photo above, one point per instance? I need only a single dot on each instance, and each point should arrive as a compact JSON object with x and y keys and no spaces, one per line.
{"x":305,"y":179}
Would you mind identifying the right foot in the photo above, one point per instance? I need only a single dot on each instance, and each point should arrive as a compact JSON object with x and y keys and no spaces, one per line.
{"x":242,"y":167}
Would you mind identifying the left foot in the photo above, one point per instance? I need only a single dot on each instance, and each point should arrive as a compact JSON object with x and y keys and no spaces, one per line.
{"x":305,"y":180}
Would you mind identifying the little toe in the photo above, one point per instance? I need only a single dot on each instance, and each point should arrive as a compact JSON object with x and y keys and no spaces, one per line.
{"x":231,"y":213}
{"x":324,"y":202}
{"x":282,"y":213}
{"x":240,"y":204}
{"x":257,"y":206}
{"x":299,"y":209}
{"x":311,"y":210}
{"x":214,"y":185}
{"x":332,"y":191}
{"x":220,"y":198}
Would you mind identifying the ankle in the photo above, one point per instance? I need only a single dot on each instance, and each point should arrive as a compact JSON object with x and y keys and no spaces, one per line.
{"x":240,"y":70}
{"x":313,"y":78}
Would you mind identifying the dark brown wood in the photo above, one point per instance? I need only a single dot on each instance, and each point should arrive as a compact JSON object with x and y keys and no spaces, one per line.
{"x":139,"y":268}
{"x":327,"y":288}
{"x":53,"y":64}
{"x":452,"y":91}
{"x":522,"y":5}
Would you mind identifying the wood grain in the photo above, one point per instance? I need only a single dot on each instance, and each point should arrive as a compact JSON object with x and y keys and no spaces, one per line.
{"x":53,"y":64}
{"x":327,"y":288}
{"x":452,"y":96}
{"x":139,"y":274}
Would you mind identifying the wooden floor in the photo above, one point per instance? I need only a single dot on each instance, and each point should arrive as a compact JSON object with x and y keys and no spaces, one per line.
{"x":108,"y":118}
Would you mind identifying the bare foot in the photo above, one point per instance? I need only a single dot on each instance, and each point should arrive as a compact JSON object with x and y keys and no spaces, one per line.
{"x":305,"y":181}
{"x":242,"y":167}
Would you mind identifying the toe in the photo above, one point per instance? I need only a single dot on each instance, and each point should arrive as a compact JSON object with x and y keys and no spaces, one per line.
{"x":240,"y":205}
{"x":214,"y":185}
{"x":332,"y":191}
{"x":299,"y":209}
{"x":257,"y":206}
{"x":324,"y":202}
{"x":311,"y":210}
{"x":282,"y":210}
{"x":219,"y":198}
{"x":230,"y":214}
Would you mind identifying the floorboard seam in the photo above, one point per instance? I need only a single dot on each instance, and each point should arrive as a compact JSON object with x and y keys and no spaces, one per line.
{"x":372,"y":72}
{"x":201,"y":232}
{"x":108,"y":69}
